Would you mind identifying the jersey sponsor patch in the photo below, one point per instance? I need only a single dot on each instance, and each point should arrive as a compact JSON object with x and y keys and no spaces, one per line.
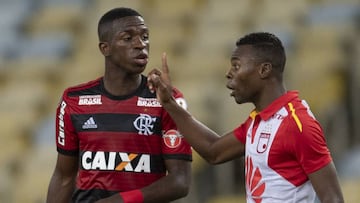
{"x":90,"y":100}
{"x":116,"y":161}
{"x":148,"y":102}
{"x":254,"y":180}
{"x":172,"y":138}
{"x":61,"y":135}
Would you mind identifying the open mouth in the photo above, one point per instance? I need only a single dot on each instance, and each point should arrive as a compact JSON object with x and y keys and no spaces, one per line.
{"x":232,"y":93}
{"x":141,"y":59}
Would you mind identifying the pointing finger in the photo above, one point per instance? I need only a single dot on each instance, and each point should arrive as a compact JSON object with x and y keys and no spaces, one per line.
{"x":165,"y":67}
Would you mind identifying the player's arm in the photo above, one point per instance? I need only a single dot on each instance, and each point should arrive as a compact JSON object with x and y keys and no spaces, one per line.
{"x":313,"y":154}
{"x":326,"y":184}
{"x":62,"y":182}
{"x":173,"y":186}
{"x":212,"y":147}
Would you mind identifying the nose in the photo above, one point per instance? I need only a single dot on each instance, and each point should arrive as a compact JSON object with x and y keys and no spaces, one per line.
{"x":139,"y":42}
{"x":228,"y":74}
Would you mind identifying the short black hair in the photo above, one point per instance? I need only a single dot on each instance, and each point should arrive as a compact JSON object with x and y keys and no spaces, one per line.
{"x":268,"y":47}
{"x":109,"y":17}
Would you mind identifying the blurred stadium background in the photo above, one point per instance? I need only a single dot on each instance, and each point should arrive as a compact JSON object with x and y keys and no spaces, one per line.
{"x":48,"y":45}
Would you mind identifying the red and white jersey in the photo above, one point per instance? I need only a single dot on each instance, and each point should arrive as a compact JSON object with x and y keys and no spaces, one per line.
{"x":284,"y":144}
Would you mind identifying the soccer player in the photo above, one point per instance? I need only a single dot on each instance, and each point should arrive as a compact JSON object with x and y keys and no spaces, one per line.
{"x":286,"y":156}
{"x":115,"y":142}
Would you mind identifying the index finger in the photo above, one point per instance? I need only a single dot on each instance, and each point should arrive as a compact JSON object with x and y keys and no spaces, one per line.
{"x":165,"y":67}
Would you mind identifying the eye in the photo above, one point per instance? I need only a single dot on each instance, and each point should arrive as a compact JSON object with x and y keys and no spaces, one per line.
{"x":127,"y":38}
{"x":145,"y":37}
{"x":235,"y":66}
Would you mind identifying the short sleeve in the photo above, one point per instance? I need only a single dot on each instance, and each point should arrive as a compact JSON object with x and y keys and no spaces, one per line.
{"x":66,"y":137}
{"x":240,"y":132}
{"x":174,"y":145}
{"x":310,"y":147}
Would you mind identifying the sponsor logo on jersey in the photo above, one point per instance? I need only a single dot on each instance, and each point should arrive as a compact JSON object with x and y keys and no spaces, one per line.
{"x":255,"y":185}
{"x":172,"y":138}
{"x":144,"y":123}
{"x":263,"y":142}
{"x":148,"y":102}
{"x":61,"y":135}
{"x":90,"y":100}
{"x":116,"y":161}
{"x":90,"y":124}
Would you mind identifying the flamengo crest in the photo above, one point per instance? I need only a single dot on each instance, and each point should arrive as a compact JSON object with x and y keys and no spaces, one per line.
{"x":144,"y":124}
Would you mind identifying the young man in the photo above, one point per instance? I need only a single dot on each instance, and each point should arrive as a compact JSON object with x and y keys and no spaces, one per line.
{"x":286,"y":156}
{"x":115,"y":142}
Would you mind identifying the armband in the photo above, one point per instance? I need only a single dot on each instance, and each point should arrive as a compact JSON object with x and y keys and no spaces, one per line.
{"x":132,"y":196}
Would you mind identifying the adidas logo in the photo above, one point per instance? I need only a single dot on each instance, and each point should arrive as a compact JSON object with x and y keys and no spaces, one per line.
{"x":90,"y":124}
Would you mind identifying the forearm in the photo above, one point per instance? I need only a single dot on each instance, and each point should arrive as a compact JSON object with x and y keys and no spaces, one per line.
{"x":199,"y":136}
{"x":161,"y":191}
{"x":168,"y":188}
{"x":60,"y":190}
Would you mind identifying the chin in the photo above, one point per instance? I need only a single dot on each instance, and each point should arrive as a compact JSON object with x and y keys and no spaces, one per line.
{"x":140,"y":68}
{"x":239,"y":101}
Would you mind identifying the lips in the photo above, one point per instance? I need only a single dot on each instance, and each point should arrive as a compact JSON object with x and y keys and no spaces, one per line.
{"x":232,"y":93}
{"x":141,"y":59}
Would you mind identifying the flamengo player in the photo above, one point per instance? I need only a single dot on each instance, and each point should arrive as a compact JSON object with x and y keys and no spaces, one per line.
{"x":115,"y":142}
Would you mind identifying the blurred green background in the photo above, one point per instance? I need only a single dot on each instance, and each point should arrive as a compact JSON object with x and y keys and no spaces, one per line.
{"x":48,"y":45}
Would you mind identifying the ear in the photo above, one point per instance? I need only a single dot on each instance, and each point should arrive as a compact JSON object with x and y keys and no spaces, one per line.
{"x":265,"y":70}
{"x":104,"y":48}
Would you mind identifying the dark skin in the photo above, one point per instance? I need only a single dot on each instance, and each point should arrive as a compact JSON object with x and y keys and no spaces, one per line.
{"x":62,"y":183}
{"x":249,"y":81}
{"x":126,"y":54}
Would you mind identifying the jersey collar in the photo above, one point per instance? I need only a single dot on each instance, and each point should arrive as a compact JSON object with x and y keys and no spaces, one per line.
{"x":276,"y":105}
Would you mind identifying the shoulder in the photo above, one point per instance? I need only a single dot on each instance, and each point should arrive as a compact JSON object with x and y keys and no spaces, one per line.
{"x":72,"y":94}
{"x":302,"y":122}
{"x":241,"y":131}
{"x":300,"y":115}
{"x":80,"y":88}
{"x":179,"y":98}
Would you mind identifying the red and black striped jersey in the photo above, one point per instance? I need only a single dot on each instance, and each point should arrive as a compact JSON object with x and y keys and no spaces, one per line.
{"x":121,"y":141}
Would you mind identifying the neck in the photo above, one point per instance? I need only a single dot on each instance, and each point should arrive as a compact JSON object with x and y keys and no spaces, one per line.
{"x":119,"y":83}
{"x":270,"y":94}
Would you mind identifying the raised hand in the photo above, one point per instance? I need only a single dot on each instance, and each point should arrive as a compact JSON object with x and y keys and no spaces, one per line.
{"x":159,"y":81}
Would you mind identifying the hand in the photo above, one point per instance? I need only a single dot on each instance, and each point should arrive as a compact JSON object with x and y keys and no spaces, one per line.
{"x":160,"y":82}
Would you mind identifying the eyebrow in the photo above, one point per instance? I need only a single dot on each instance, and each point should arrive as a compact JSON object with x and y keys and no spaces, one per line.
{"x":234,"y":58}
{"x":133,"y":29}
